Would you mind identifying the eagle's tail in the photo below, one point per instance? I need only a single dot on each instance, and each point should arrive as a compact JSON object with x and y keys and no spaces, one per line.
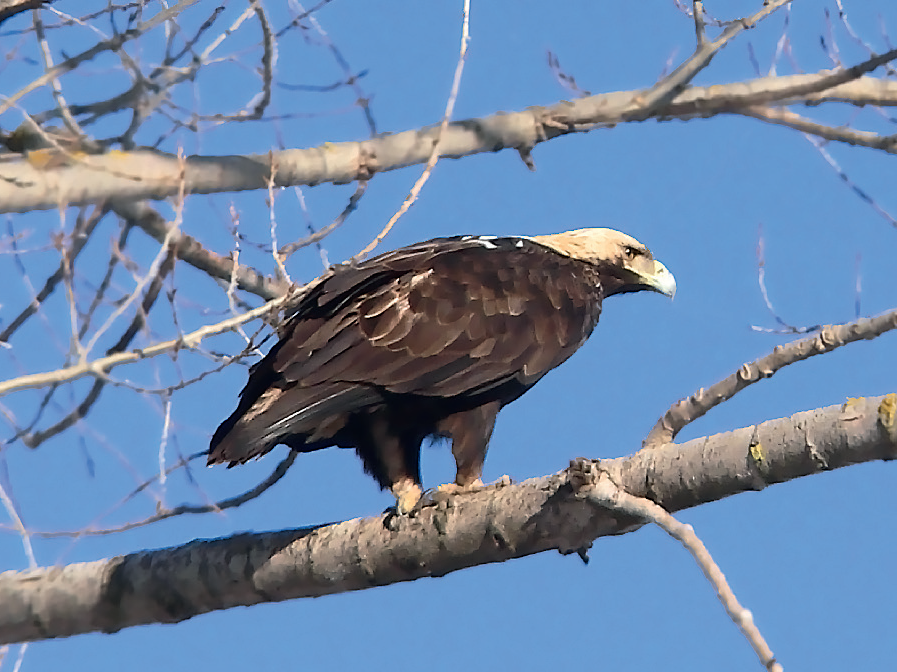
{"x":303,"y":418}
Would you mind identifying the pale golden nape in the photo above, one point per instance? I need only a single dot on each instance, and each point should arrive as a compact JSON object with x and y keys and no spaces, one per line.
{"x":637,"y":268}
{"x":591,"y":244}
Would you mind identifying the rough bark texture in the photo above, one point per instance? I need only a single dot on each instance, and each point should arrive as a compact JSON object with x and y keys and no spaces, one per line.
{"x":493,"y":525}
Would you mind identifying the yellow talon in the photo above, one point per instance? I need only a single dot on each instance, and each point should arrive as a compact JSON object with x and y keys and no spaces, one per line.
{"x":407,"y":496}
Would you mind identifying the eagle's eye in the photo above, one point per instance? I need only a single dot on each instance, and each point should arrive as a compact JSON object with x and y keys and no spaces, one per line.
{"x":631,"y":252}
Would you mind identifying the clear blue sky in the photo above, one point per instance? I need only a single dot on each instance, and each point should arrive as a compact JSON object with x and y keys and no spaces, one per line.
{"x":812,"y":559}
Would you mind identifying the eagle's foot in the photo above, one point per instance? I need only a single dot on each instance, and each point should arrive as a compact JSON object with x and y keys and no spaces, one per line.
{"x":407,"y":494}
{"x":473,"y":486}
{"x":456,"y":488}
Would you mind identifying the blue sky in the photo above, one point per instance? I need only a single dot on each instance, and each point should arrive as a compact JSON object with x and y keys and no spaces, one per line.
{"x":811,"y":559}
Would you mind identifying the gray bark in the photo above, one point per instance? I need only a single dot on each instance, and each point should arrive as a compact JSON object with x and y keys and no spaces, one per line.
{"x":493,"y":525}
{"x":78,"y":178}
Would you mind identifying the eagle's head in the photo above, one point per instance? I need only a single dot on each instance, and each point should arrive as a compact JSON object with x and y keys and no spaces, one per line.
{"x":624,"y":263}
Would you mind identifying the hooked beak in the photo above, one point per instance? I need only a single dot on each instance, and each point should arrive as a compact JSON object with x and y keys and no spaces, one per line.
{"x":660,"y":280}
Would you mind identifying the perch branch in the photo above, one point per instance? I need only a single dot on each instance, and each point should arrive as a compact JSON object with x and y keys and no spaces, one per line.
{"x":492,"y":524}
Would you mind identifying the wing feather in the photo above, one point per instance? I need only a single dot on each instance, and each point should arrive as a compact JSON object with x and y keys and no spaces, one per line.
{"x":467,"y":316}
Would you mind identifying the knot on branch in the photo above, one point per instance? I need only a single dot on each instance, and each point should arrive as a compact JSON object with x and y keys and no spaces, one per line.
{"x":368,"y":163}
{"x":591,"y":482}
{"x":582,"y":473}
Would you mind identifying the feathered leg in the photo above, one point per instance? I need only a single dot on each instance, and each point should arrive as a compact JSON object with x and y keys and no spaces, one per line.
{"x":470,"y":432}
{"x":393,"y":458}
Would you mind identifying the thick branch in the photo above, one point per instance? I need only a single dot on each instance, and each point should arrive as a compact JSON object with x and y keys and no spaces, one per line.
{"x":145,"y":174}
{"x":493,"y":525}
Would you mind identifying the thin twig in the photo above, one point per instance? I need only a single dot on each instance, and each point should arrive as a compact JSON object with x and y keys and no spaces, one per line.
{"x":99,"y":367}
{"x":604,"y":492}
{"x":434,"y":155}
{"x":55,"y":86}
{"x":195,"y":253}
{"x":84,"y":227}
{"x":272,"y":217}
{"x":361,"y":99}
{"x":185,"y":509}
{"x":859,"y":191}
{"x":13,"y":513}
{"x":664,"y":91}
{"x":162,"y":255}
{"x":113,"y":44}
{"x":698,"y":15}
{"x":292,"y":248}
{"x":138,"y":322}
{"x":761,"y":279}
{"x":784,"y":117}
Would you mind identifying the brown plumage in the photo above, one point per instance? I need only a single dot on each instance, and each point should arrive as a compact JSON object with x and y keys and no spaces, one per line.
{"x":430,"y":340}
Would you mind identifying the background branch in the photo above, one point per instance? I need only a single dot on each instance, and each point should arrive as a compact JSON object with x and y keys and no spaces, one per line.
{"x":829,"y":338}
{"x":146,"y":174}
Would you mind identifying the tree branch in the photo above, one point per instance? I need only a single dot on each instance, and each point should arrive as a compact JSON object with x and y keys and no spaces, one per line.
{"x":9,"y":8}
{"x":100,"y":366}
{"x":147,"y":174}
{"x":686,"y":411}
{"x":80,"y":235}
{"x":193,"y":252}
{"x":848,"y":136}
{"x":605,"y":493}
{"x":491,"y":525}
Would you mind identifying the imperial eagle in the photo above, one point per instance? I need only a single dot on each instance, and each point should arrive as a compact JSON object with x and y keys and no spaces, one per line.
{"x":430,"y":340}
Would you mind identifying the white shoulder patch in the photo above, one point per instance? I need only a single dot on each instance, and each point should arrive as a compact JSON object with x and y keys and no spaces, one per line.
{"x":485,"y":241}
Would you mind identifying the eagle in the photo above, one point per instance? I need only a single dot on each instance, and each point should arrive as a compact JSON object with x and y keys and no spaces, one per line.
{"x":430,"y":341}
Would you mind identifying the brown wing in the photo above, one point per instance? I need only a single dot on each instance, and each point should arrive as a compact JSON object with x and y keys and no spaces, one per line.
{"x":449,"y":318}
{"x":465,"y":320}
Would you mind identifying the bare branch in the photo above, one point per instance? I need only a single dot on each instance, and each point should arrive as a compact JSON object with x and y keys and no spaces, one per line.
{"x":184,"y":509}
{"x":317,"y":236}
{"x":80,"y":235}
{"x":668,"y":88}
{"x":144,"y":174}
{"x":604,"y":492}
{"x":845,"y":178}
{"x":491,"y":525}
{"x":190,"y":250}
{"x":99,"y":367}
{"x":829,"y":338}
{"x":700,"y":28}
{"x":9,"y":8}
{"x":34,"y":439}
{"x":783,"y":117}
{"x":761,"y":279}
{"x":437,"y":143}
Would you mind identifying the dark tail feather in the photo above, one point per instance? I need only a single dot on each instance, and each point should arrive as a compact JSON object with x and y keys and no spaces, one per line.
{"x":290,"y":418}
